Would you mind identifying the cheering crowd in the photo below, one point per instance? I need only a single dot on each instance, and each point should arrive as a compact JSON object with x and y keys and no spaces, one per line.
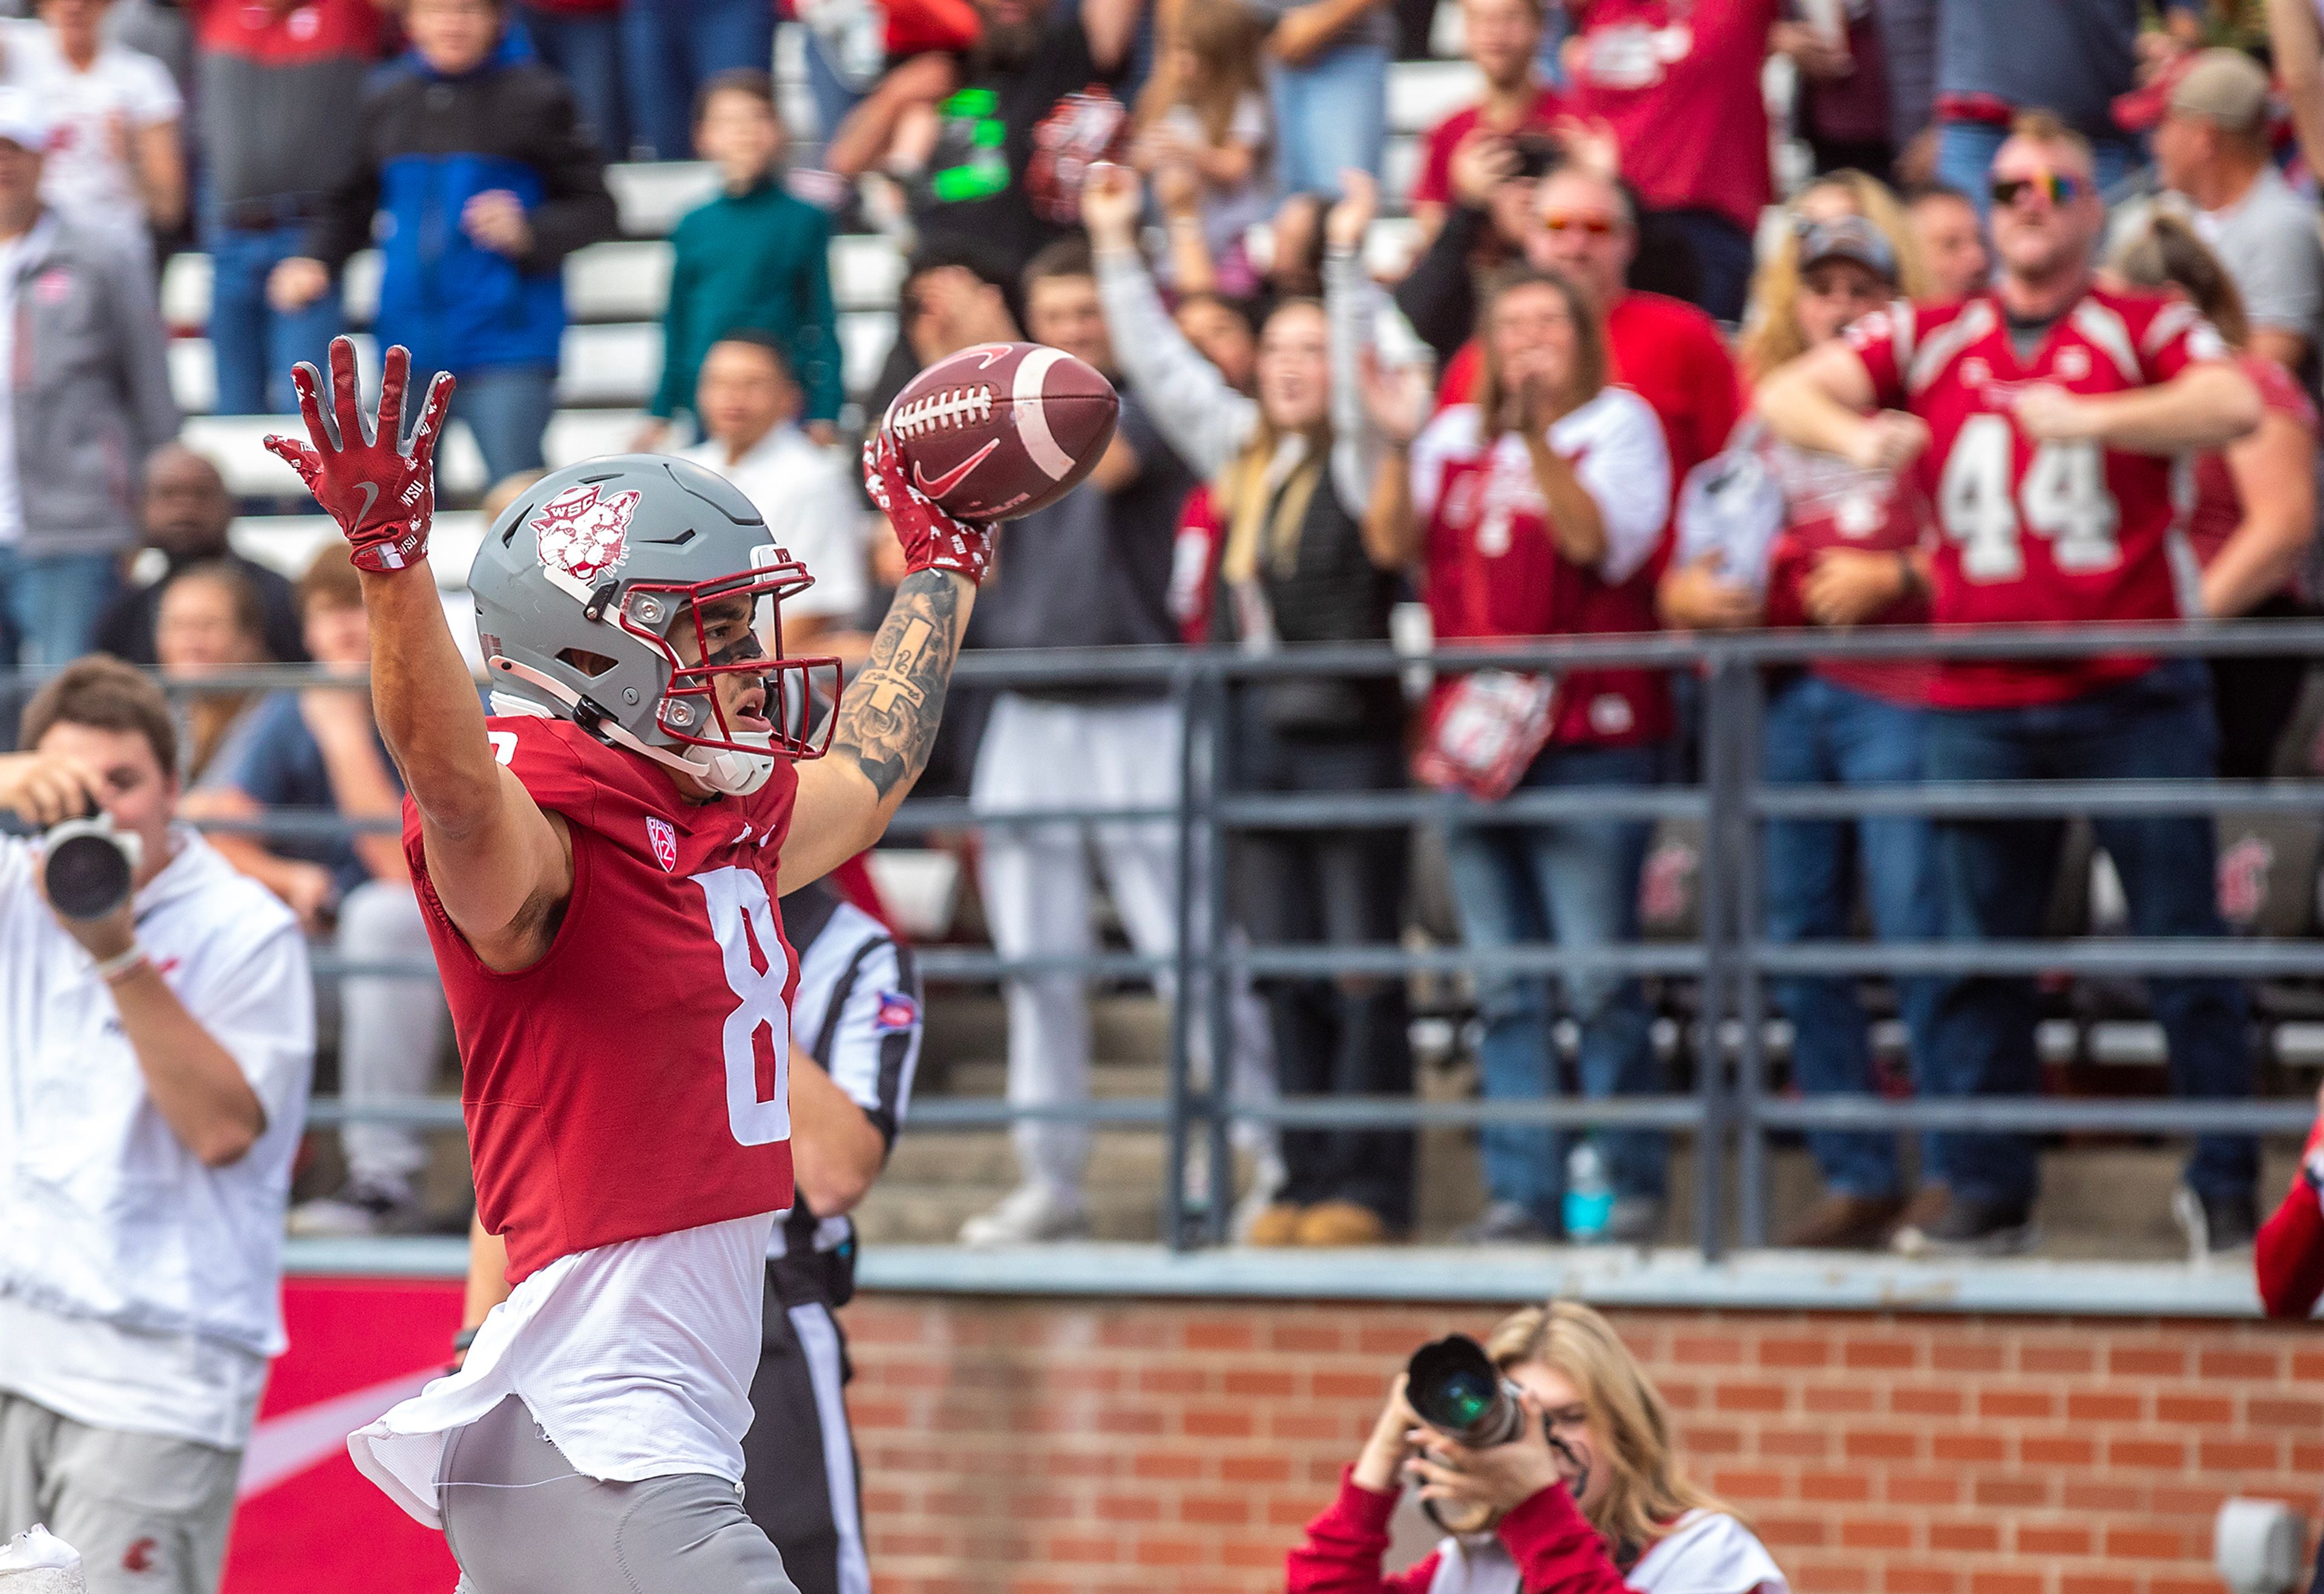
{"x":2032,"y":336}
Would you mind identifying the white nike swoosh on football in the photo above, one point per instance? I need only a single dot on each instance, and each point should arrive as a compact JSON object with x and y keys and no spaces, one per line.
{"x":281,"y":1447}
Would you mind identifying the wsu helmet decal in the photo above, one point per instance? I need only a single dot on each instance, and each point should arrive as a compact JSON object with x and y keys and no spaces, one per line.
{"x":583,"y":534}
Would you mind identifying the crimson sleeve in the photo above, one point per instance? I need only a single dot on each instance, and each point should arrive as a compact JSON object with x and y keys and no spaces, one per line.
{"x":1342,"y":1550}
{"x":2288,"y":1255}
{"x":2175,"y":337}
{"x":1557,"y":1552}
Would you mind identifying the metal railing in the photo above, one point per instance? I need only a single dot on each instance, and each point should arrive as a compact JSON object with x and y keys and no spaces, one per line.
{"x":1731,"y":1111}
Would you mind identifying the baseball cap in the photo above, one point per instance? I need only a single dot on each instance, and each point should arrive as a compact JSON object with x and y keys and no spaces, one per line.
{"x":1848,"y":237}
{"x":23,"y":122}
{"x":2224,"y":87}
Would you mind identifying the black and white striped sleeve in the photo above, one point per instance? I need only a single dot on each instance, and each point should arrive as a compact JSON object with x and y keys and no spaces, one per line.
{"x":860,"y":1016}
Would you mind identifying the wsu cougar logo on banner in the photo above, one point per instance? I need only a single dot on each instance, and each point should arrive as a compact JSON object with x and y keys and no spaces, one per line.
{"x":584,"y":535}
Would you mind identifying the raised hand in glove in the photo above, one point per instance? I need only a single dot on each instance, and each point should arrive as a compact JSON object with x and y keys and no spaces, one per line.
{"x":932,"y":538}
{"x":377,"y":485}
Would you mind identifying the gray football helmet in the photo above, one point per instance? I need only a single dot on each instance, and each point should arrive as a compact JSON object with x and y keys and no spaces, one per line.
{"x":596,"y":588}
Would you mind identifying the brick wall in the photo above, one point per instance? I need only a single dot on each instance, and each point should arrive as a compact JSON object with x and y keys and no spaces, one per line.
{"x":1089,"y":1446}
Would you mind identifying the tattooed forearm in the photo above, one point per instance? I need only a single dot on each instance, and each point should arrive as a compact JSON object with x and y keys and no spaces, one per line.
{"x":888,"y":718}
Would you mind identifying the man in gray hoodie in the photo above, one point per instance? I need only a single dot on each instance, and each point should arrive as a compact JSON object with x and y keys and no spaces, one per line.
{"x":85,"y":400}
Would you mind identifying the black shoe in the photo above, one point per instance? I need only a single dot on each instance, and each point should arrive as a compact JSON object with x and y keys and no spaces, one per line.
{"x":2215,"y":1224}
{"x":1968,"y":1229}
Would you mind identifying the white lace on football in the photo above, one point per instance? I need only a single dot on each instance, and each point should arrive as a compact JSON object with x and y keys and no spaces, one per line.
{"x":943,"y":410}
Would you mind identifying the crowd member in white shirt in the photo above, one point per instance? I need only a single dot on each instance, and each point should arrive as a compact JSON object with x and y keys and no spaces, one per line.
{"x":117,"y":165}
{"x":748,"y":407}
{"x":154,"y":1069}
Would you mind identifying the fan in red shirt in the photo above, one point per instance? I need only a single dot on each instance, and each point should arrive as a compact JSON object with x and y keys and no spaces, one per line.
{"x":1503,"y":38}
{"x":1667,"y":352}
{"x":1678,"y":81}
{"x":1776,"y":536}
{"x":1535,"y":512}
{"x":599,"y":861}
{"x":1606,"y":1509}
{"x":2254,"y":513}
{"x":2046,"y":416}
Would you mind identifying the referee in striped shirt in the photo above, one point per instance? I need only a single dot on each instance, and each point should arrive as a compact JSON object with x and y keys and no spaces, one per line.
{"x":856,"y":1041}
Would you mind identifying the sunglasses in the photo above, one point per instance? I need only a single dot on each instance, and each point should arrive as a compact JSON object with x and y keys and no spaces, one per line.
{"x":2056,"y":187}
{"x":1592,"y":223}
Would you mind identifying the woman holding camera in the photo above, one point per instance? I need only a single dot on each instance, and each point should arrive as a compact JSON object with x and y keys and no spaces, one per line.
{"x":1587,"y":1500}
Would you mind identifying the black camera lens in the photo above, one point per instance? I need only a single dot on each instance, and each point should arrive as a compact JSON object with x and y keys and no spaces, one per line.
{"x":87,"y":875}
{"x":1458,"y":1391}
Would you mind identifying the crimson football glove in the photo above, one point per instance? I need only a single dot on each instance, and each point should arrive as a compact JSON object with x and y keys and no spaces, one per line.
{"x":380,"y":488}
{"x":933,"y":539}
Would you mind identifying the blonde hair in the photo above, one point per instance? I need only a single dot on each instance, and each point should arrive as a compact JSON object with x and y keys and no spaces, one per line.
{"x":1591,"y":360}
{"x":2166,"y":253}
{"x":1225,"y":37}
{"x":1646,"y":1491}
{"x":1774,"y":336}
{"x":2047,"y":127}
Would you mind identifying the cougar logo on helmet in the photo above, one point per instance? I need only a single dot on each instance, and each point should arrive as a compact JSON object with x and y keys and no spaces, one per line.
{"x":583,"y":534}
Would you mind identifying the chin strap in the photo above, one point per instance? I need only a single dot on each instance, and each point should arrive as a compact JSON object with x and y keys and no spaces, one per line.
{"x":736,"y":774}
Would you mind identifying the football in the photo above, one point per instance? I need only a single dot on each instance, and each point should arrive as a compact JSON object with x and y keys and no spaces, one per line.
{"x":1002,"y":430}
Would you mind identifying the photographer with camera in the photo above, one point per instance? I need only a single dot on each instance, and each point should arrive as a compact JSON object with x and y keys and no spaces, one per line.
{"x":1545,"y":1456}
{"x":156,"y":1031}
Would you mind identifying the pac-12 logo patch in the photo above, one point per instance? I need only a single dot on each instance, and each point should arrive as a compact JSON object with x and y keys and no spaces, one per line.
{"x":897,"y":1011}
{"x":582,"y":533}
{"x":665,"y":843}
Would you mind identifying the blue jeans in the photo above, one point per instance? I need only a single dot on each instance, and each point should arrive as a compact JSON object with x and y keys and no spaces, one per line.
{"x":586,"y":48}
{"x":1818,"y":732}
{"x":1965,"y":151}
{"x":53,"y":603}
{"x":507,"y":409}
{"x":253,"y":343}
{"x":1576,"y":883}
{"x":1329,"y":115}
{"x":671,"y":47}
{"x":1722,"y":254}
{"x":1995,"y":878}
{"x":833,"y":98}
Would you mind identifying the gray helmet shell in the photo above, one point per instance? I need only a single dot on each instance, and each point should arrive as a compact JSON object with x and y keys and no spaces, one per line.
{"x":598,"y":559}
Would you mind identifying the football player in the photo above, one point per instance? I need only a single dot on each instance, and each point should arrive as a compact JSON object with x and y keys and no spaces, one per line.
{"x":857,"y":1028}
{"x":2045,"y":415}
{"x":599,"y":863}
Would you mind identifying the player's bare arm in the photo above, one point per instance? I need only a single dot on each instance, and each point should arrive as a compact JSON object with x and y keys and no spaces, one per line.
{"x":1824,"y":400}
{"x":887,"y":721}
{"x":501,"y":866}
{"x":2206,"y":406}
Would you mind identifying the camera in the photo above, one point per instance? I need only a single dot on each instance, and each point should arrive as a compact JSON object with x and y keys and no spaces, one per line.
{"x":1459,"y":1392}
{"x":87,"y":866}
{"x":1538,"y":154}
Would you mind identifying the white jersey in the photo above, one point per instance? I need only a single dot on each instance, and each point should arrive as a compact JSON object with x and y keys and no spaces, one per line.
{"x":107,"y":1220}
{"x":634,"y":1357}
{"x":1708,"y":1553}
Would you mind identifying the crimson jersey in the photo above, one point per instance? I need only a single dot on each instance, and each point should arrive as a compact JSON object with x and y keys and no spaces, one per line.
{"x":1492,"y":571}
{"x":1829,"y":503}
{"x":2055,"y":533}
{"x":634,"y":1081}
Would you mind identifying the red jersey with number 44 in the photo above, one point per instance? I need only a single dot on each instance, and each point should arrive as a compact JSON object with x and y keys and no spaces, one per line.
{"x":634,"y":1081}
{"x":2049,"y":533}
